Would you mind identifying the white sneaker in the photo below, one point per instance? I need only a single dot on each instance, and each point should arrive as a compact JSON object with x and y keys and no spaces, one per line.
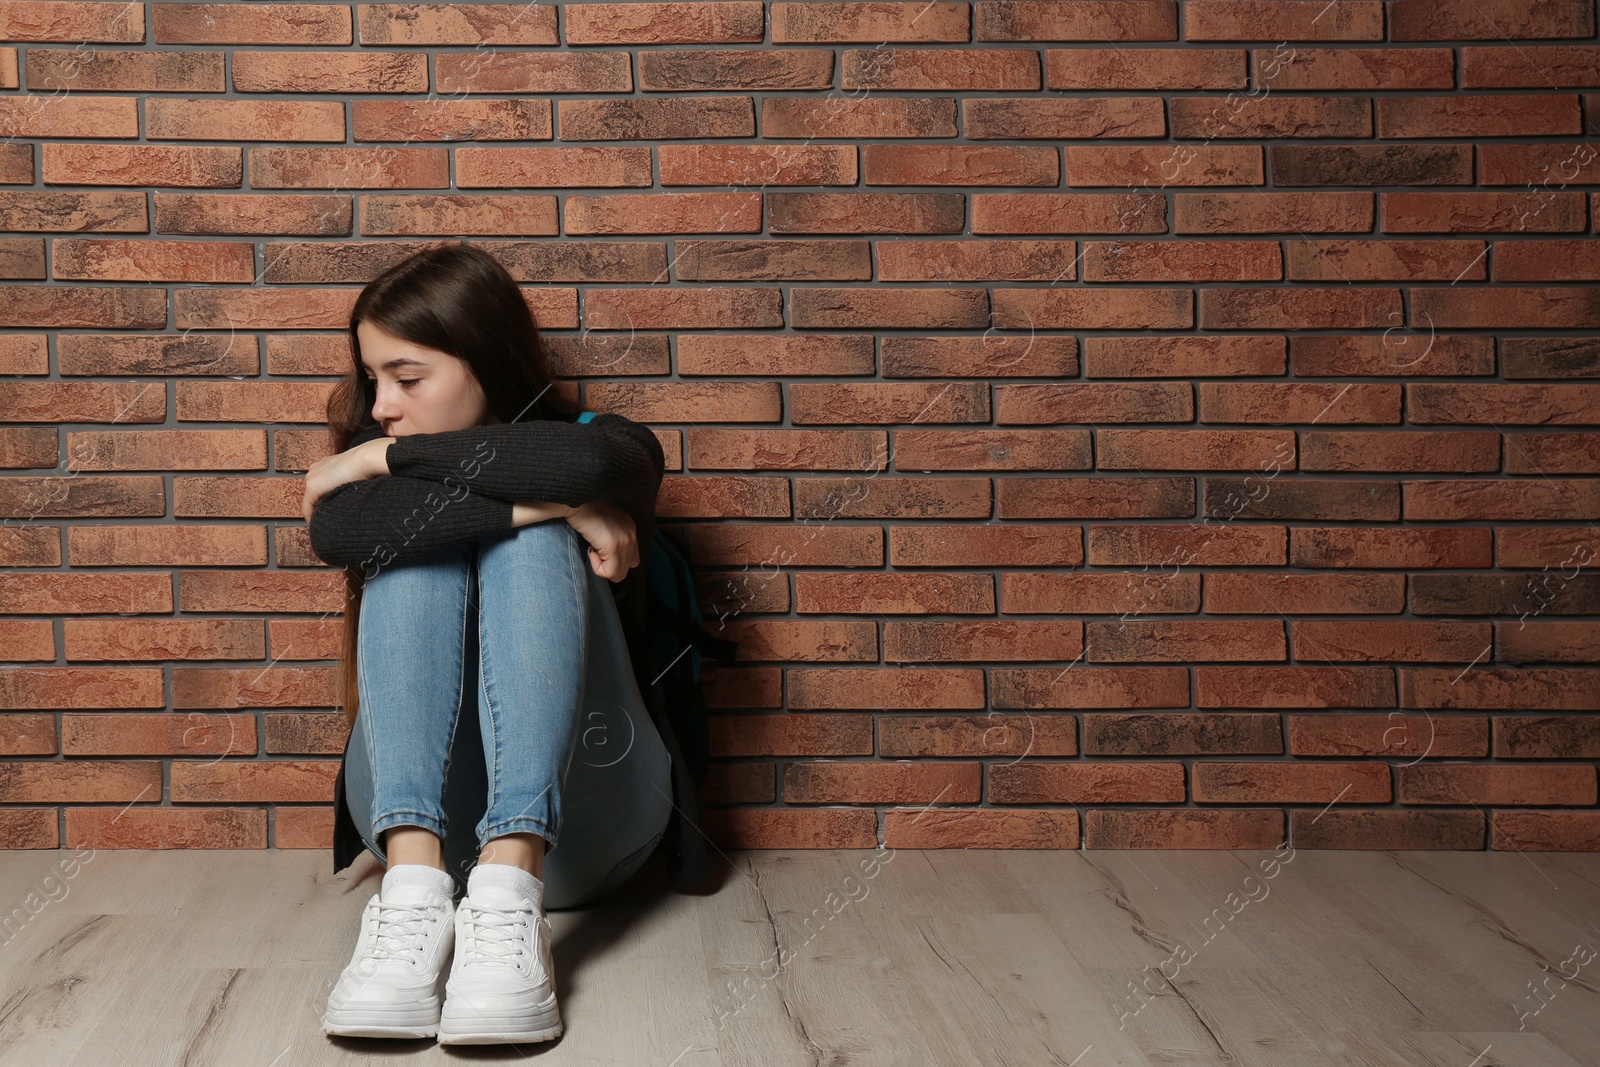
{"x":393,"y":985}
{"x":502,"y":986}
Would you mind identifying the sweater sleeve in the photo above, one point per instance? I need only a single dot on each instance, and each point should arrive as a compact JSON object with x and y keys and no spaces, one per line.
{"x":375,"y":521}
{"x":610,"y":458}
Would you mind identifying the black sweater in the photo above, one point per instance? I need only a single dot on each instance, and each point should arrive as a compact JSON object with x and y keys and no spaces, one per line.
{"x":446,"y":488}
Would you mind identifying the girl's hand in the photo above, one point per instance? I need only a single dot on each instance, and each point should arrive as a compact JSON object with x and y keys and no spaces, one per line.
{"x":613,"y":540}
{"x":364,"y":461}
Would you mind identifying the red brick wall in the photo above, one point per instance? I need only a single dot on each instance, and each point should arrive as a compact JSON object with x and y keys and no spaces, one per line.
{"x":1116,"y":423}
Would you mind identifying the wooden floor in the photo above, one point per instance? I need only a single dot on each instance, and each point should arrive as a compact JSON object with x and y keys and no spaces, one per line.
{"x":942,"y":957}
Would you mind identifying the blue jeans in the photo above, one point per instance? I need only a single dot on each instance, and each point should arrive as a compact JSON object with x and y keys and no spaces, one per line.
{"x":497,"y":697}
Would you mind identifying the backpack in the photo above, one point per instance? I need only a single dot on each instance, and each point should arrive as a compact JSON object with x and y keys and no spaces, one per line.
{"x":676,"y":639}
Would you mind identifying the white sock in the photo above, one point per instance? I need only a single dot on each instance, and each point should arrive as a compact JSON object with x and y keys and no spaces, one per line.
{"x":415,"y":874}
{"x":507,"y":876}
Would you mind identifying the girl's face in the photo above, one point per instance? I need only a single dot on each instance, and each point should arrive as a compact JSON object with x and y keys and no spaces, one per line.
{"x":419,"y":390}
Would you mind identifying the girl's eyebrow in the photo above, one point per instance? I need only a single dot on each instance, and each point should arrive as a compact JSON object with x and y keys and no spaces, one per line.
{"x":400,"y":361}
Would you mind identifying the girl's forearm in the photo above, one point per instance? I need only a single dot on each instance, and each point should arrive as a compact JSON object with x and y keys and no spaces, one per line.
{"x":522,"y":514}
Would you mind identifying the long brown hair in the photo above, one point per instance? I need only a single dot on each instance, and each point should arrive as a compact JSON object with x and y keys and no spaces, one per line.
{"x":458,"y":299}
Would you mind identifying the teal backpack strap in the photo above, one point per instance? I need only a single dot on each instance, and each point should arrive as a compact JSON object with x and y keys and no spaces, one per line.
{"x":586,"y":416}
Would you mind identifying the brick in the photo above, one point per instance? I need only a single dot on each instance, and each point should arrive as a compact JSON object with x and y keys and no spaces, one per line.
{"x":34,"y":212}
{"x":189,"y":354}
{"x":1543,"y":261}
{"x":1549,"y":166}
{"x":476,"y":73}
{"x":869,"y":782}
{"x":1299,"y":308}
{"x":1319,"y":212}
{"x":1545,"y":308}
{"x":1177,"y":734}
{"x":1294,"y":687}
{"x":1386,"y":830}
{"x":1091,"y":687}
{"x":456,"y":24}
{"x":791,"y":734}
{"x":1323,"y":500}
{"x":1549,"y":690}
{"x":1283,"y":20}
{"x":1183,"y":828}
{"x":1169,"y":546}
{"x":830,"y":828}
{"x":812,"y":307}
{"x":976,"y":260}
{"x":927,"y":828}
{"x":450,"y":120}
{"x":1192,"y":449}
{"x":674,"y":70}
{"x":194,"y":734}
{"x":1100,"y":594}
{"x":1526,"y":115}
{"x":349,"y":168}
{"x":1156,"y":166}
{"x":1414,"y":549}
{"x":1546,"y":737}
{"x":678,"y":117}
{"x":1356,"y":68}
{"x":1386,"y":261}
{"x":148,"y":260}
{"x":1395,"y":735}
{"x":939,"y":69}
{"x":832,"y":354}
{"x":105,"y":70}
{"x":164,"y":827}
{"x":665,"y":23}
{"x":1145,"y":68}
{"x":1467,"y":20}
{"x":68,"y":116}
{"x":1393,"y":354}
{"x":1181,"y":261}
{"x":1525,"y":67}
{"x":1544,"y":831}
{"x":23,"y":258}
{"x":1185,"y":640}
{"x":1549,"y":593}
{"x":1292,"y":116}
{"x":31,"y":734}
{"x":760,"y":165}
{"x":1498,"y":786}
{"x":1550,"y":357}
{"x":330,"y":72}
{"x":1388,"y":164}
{"x":1565,"y":499}
{"x":895,"y":594}
{"x":143,"y":165}
{"x":1027,"y":357}
{"x":874,"y":21}
{"x":872,"y":402}
{"x":1400,"y":451}
{"x":86,"y":781}
{"x":1370,"y":640}
{"x":813,"y":117}
{"x":1067,"y":118}
{"x":1187,"y":357}
{"x":1084,"y":309}
{"x":170,"y":119}
{"x":1323,"y":594}
{"x":977,"y":735}
{"x":551,"y":167}
{"x":265,"y":215}
{"x":327,"y":24}
{"x":929,"y":642}
{"x":1077,"y":20}
{"x":1018,"y":546}
{"x":664,"y":213}
{"x":459,"y":215}
{"x":1086,"y":783}
{"x":72,"y":23}
{"x":1483,"y":212}
{"x":1305,"y":782}
{"x":1553,"y":453}
{"x":1101,"y":498}
{"x":1502,"y":403}
{"x":1068,"y":213}
{"x":28,"y":828}
{"x":897,"y":213}
{"x":964,"y":165}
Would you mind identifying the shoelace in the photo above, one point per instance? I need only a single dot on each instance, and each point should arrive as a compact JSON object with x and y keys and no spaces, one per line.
{"x":400,"y":930}
{"x":494,"y":934}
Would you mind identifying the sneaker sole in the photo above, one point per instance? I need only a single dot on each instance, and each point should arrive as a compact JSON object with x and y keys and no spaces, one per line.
{"x":489,"y":1031}
{"x":369,"y":1023}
